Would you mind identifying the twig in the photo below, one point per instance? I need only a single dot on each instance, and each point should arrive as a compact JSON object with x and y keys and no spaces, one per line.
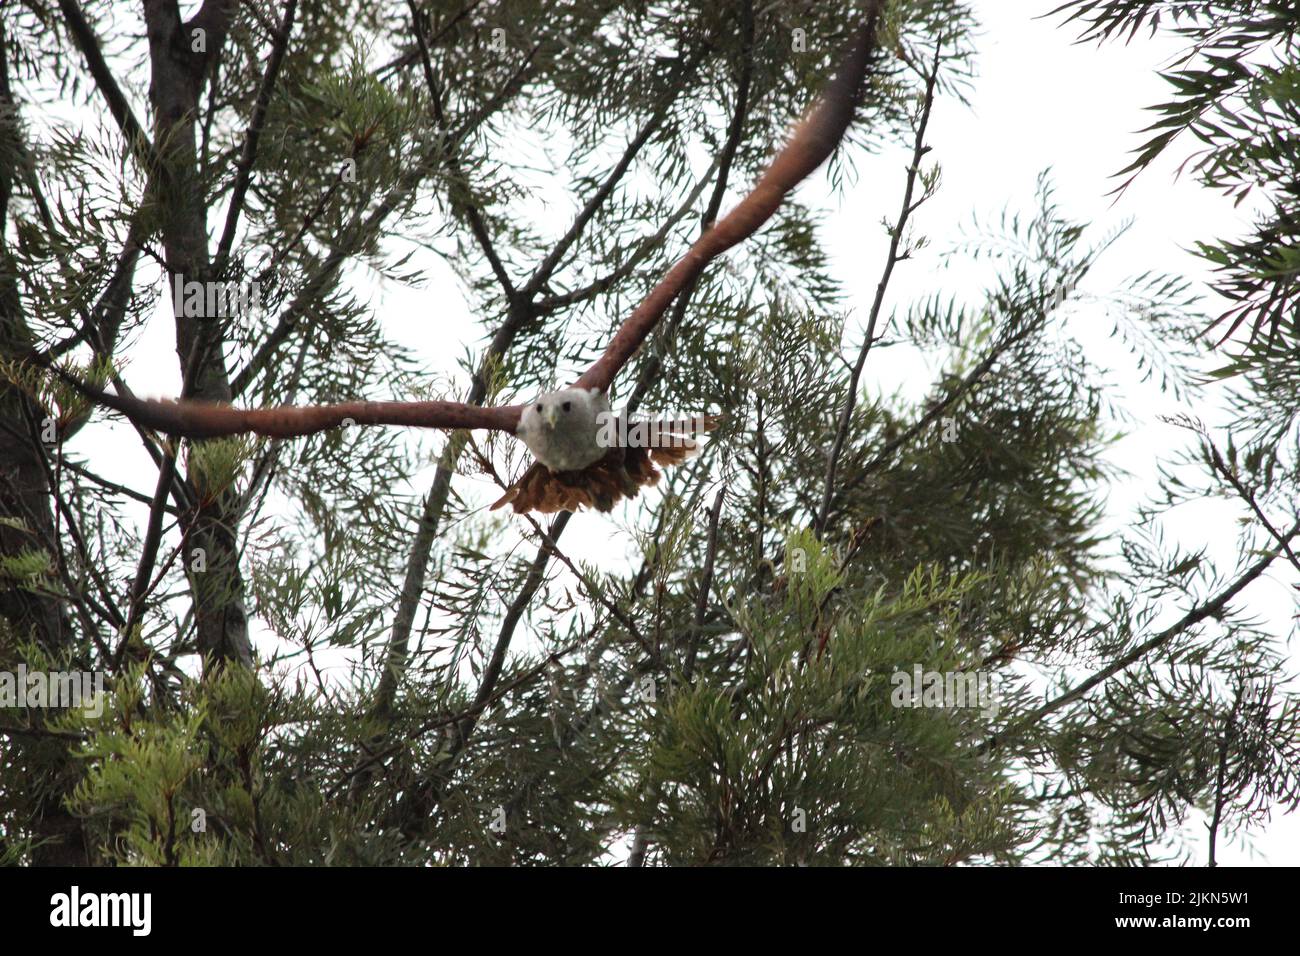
{"x":919,"y":149}
{"x":706,"y":582}
{"x":1219,"y":465}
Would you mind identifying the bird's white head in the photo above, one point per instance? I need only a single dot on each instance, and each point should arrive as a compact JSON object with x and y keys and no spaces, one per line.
{"x":560,"y":428}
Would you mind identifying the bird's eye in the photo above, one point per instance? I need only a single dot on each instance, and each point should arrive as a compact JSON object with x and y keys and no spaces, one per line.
{"x":568,"y":406}
{"x":539,"y":408}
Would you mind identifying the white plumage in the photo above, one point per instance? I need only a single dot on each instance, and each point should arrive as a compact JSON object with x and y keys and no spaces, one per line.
{"x":562,"y":428}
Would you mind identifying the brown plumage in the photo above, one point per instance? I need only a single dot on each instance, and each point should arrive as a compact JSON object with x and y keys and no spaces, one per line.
{"x":620,"y":474}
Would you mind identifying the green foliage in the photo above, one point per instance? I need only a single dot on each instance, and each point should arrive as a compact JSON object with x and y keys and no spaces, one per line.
{"x":26,"y":567}
{"x":1237,"y":94}
{"x":721,"y":684}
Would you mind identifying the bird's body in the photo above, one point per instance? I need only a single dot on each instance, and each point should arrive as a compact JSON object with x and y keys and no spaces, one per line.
{"x":581,"y":460}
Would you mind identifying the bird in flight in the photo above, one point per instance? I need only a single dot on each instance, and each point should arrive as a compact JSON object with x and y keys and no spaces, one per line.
{"x":562,"y":429}
{"x":587,"y":455}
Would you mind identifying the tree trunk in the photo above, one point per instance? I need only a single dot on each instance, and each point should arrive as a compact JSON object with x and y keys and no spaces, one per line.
{"x":25,"y":497}
{"x":180,"y":54}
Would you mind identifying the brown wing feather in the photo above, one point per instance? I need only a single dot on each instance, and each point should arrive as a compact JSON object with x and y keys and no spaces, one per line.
{"x":195,"y":419}
{"x":813,"y":140}
{"x":620,"y":474}
{"x":674,"y":455}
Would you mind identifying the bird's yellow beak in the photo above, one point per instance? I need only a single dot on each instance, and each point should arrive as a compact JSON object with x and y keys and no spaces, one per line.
{"x":548,"y":416}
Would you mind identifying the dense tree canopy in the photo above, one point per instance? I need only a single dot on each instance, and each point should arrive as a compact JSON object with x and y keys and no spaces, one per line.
{"x":771,"y":677}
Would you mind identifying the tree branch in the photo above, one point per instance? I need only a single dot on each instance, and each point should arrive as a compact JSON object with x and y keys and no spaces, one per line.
{"x":468,"y":207}
{"x":1211,"y":608}
{"x":244,"y":169}
{"x":88,"y":44}
{"x":919,"y":149}
{"x":592,"y":206}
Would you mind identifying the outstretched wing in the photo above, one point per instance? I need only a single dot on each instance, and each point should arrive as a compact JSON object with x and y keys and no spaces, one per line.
{"x":193,"y":419}
{"x":810,"y":144}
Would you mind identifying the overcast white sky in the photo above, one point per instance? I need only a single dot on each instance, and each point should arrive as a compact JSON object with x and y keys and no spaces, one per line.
{"x":1039,"y":102}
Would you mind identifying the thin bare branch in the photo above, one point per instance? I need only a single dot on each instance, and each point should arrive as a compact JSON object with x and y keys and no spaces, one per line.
{"x":919,"y":149}
{"x":1211,"y":608}
{"x":84,"y":36}
{"x":244,"y":169}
